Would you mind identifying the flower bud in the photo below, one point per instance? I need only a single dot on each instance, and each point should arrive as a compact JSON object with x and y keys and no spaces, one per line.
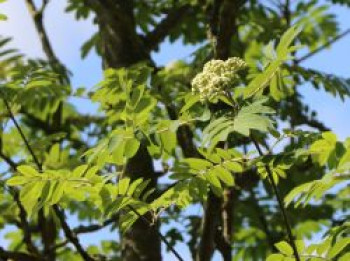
{"x":216,"y":78}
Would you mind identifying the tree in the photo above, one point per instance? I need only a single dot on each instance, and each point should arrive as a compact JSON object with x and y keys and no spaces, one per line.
{"x":212,"y":123}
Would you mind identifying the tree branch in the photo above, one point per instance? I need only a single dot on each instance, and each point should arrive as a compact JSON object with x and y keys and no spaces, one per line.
{"x":24,"y":225}
{"x":226,"y":28}
{"x":162,"y":237}
{"x":262,"y":219}
{"x":321,"y":48}
{"x":280,"y":203}
{"x":27,"y":236}
{"x":17,"y":256}
{"x":37,"y":15}
{"x":8,"y":160}
{"x":163,"y":28}
{"x":210,"y":224}
{"x":95,"y":227}
{"x":12,"y":117}
{"x":70,"y":235}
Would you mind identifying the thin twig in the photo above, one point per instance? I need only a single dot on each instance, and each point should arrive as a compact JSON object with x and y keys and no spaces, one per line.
{"x":8,"y":160}
{"x":68,"y":232}
{"x":95,"y":227}
{"x":70,"y":235}
{"x":27,"y":238}
{"x":162,"y":237}
{"x":12,"y":117}
{"x":280,"y":202}
{"x":262,"y":219}
{"x":322,"y":47}
{"x":87,"y":229}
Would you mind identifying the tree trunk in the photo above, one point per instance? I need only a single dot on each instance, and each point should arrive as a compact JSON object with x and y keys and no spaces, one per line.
{"x":122,"y":47}
{"x":217,"y":227}
{"x":141,"y":241}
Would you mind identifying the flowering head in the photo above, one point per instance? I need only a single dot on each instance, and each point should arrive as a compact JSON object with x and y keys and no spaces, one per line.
{"x":216,"y":78}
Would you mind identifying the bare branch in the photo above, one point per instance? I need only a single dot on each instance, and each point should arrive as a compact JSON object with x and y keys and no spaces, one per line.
{"x":8,"y":160}
{"x":70,"y":235}
{"x":37,"y":16}
{"x":321,"y":48}
{"x":162,"y":30}
{"x":17,"y":256}
{"x":261,"y":216}
{"x":95,"y":227}
{"x":12,"y":117}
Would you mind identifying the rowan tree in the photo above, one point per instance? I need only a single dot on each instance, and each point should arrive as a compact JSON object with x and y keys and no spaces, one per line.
{"x":212,"y":124}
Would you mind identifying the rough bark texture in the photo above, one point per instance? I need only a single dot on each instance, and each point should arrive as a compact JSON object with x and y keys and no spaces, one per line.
{"x":141,"y":242}
{"x":122,"y":47}
{"x":210,"y":224}
{"x":48,"y":235}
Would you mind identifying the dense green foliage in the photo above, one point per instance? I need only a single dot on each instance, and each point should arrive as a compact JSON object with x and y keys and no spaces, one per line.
{"x":54,"y":158}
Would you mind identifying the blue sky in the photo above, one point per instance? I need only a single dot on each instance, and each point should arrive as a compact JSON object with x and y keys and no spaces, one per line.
{"x":67,"y":35}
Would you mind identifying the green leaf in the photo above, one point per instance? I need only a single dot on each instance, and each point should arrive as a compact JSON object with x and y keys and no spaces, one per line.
{"x":123,"y":186}
{"x":294,"y":193}
{"x":3,"y":17}
{"x":80,"y":171}
{"x":197,"y":164}
{"x":58,"y":192}
{"x":287,"y":39}
{"x":338,"y":247}
{"x":300,"y":245}
{"x":217,"y":131}
{"x":275,"y":257}
{"x":118,"y":154}
{"x":30,"y":194}
{"x":168,"y":140}
{"x":249,"y":118}
{"x":141,"y":188}
{"x":131,"y":147}
{"x":213,"y":180}
{"x":224,"y":175}
{"x":284,"y":248}
{"x":133,"y":186}
{"x":322,"y":149}
{"x":91,"y":172}
{"x":345,"y":257}
{"x":193,"y":99}
{"x":233,"y":166}
{"x":262,"y":80}
{"x":27,"y":171}
{"x":17,"y":181}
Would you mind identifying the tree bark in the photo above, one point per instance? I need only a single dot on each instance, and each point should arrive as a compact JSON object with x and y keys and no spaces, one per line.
{"x":217,"y":223}
{"x":122,"y":47}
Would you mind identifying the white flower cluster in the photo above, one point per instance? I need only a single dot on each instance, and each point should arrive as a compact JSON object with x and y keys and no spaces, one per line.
{"x":216,"y":77}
